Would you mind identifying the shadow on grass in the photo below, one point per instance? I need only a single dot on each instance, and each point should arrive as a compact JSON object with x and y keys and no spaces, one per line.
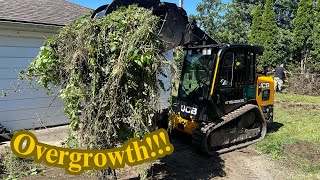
{"x":274,"y":127}
{"x":185,"y":163}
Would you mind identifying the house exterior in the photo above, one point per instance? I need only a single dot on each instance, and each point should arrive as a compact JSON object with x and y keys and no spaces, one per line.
{"x":24,"y":25}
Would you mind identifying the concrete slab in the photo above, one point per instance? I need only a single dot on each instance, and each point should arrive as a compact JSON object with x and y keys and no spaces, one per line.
{"x":51,"y":136}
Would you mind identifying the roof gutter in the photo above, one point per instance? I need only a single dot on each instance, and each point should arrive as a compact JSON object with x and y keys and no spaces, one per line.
{"x":28,"y":22}
{"x":27,"y":30}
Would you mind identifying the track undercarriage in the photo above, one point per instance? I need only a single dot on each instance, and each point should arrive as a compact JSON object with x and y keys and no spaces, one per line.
{"x":237,"y":129}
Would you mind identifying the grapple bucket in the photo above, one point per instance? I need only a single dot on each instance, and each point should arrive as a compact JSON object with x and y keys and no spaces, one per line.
{"x":175,"y":27}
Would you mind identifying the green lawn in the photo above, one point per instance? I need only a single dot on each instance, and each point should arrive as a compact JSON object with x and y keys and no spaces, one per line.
{"x":297,"y":98}
{"x":297,"y":142}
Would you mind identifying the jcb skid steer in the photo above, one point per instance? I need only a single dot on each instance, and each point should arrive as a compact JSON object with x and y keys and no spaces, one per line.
{"x":223,"y":103}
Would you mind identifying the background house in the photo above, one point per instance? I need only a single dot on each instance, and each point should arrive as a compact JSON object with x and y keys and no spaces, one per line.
{"x":24,"y":25}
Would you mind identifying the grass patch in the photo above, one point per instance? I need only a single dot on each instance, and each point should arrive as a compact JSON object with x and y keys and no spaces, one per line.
{"x":297,"y":142}
{"x":297,"y":98}
{"x":13,"y":167}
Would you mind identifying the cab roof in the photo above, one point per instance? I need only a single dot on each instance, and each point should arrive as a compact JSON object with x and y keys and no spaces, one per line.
{"x":257,"y":49}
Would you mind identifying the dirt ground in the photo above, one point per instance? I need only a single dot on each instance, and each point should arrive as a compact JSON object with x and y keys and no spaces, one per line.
{"x":184,"y":163}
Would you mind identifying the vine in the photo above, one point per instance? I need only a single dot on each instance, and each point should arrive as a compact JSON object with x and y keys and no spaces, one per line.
{"x":107,"y":70}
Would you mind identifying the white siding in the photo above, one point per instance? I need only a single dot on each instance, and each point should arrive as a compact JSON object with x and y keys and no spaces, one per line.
{"x":29,"y":108}
{"x":165,"y":96}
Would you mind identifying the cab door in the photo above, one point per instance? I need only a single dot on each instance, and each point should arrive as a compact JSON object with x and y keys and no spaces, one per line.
{"x":235,"y":82}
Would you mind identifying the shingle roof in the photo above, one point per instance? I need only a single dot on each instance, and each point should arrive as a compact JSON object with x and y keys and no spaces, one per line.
{"x":53,"y":12}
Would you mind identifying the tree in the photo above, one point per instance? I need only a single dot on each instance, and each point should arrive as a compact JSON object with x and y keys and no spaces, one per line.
{"x":226,"y":23}
{"x":232,"y":22}
{"x":302,"y":34}
{"x":210,"y":18}
{"x":284,"y":47}
{"x":270,"y":35}
{"x":316,"y":38}
{"x":237,"y":22}
{"x":256,"y":27}
{"x":286,"y":11}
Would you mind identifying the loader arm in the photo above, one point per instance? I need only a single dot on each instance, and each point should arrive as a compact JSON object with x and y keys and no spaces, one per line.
{"x":176,"y":30}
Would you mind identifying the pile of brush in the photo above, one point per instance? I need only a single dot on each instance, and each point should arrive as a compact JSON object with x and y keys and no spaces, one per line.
{"x":107,"y":70}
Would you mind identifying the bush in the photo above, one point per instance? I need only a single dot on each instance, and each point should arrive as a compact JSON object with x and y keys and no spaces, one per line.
{"x":108,"y":71}
{"x":14,"y":167}
{"x":304,"y":84}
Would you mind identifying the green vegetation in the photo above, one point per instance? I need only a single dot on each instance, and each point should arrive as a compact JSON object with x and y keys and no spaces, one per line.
{"x":269,"y":35}
{"x":286,"y":30}
{"x":298,"y":98}
{"x":13,"y":167}
{"x":316,"y":38}
{"x":210,"y":18}
{"x":236,"y":28}
{"x":256,"y":27}
{"x":302,"y":33}
{"x":297,"y":143}
{"x":107,"y":70}
{"x":176,"y":70}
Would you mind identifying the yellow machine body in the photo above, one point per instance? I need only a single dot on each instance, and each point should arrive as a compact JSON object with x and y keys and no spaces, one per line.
{"x":264,"y":83}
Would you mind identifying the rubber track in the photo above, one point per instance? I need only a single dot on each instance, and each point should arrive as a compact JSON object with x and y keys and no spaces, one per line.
{"x":202,"y":132}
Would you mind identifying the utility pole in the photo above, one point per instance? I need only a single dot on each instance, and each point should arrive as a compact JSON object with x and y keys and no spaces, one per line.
{"x":181,"y":3}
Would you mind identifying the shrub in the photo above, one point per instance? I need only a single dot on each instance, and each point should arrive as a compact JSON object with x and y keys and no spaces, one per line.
{"x":107,"y":70}
{"x":304,"y":84}
{"x":14,"y":167}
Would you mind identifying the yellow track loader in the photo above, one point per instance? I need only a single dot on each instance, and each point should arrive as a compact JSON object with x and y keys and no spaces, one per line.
{"x":222,"y":102}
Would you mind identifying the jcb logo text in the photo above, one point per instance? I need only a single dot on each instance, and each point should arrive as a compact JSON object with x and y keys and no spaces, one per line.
{"x":189,"y":110}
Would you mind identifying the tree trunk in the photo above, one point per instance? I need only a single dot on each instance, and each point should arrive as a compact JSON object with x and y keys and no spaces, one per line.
{"x":304,"y":60}
{"x":302,"y":66}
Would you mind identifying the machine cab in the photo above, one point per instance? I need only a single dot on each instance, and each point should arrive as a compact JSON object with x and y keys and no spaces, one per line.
{"x":216,"y":80}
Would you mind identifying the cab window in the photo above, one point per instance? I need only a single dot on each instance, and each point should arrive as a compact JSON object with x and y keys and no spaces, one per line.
{"x":236,"y":68}
{"x":226,"y":70}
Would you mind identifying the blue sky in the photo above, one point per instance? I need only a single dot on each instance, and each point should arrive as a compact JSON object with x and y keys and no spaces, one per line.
{"x":189,"y":5}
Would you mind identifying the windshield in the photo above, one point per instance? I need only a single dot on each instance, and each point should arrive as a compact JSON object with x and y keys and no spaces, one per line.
{"x":196,"y":75}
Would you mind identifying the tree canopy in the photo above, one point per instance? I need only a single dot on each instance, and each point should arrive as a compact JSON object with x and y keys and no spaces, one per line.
{"x":316,"y":39}
{"x":302,"y":33}
{"x":289,"y":29}
{"x":256,"y":27}
{"x":269,"y":35}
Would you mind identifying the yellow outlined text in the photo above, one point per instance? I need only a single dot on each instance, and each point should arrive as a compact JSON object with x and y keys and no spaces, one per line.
{"x":153,"y":146}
